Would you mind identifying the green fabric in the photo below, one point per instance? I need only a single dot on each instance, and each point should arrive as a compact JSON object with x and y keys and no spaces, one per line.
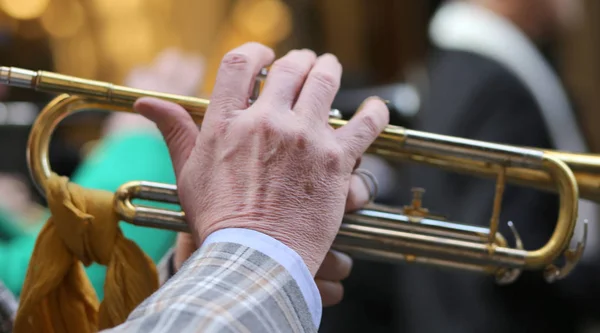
{"x":117,"y":160}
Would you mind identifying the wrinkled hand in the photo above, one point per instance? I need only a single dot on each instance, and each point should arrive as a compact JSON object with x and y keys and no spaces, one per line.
{"x":275,"y":167}
{"x":335,"y":268}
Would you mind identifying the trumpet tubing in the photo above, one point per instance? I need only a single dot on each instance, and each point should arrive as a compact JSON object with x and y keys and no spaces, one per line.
{"x":376,"y":232}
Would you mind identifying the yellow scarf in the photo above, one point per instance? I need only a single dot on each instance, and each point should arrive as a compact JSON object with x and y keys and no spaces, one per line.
{"x":57,"y":295}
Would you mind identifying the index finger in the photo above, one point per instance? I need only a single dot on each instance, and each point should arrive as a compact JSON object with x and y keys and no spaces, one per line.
{"x":320,"y":88}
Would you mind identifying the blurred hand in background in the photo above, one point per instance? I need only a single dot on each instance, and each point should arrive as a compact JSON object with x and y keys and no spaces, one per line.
{"x":172,"y":72}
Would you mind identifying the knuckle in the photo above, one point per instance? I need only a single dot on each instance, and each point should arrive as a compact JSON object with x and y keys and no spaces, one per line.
{"x":266,"y":125}
{"x":174,"y":132}
{"x":209,"y":141}
{"x":225,"y":101}
{"x":300,"y":139}
{"x":287,"y":67}
{"x":334,"y":157}
{"x":334,"y":151}
{"x":220,"y":126}
{"x":289,"y":133}
{"x":325,"y":81}
{"x":370,"y":125}
{"x":235,"y":61}
{"x":265,"y":122}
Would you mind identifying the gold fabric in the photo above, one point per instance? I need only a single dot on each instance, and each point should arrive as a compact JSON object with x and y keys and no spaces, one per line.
{"x":57,"y":295}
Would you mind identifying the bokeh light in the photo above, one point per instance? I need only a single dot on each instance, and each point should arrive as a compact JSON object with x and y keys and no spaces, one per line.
{"x":105,"y":39}
{"x":76,"y":56}
{"x":110,"y":8}
{"x":267,"y":20}
{"x":63,"y":18}
{"x":24,"y":9}
{"x":127,"y":38}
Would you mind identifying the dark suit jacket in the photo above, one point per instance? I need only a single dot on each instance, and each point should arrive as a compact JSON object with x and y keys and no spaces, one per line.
{"x":472,"y":97}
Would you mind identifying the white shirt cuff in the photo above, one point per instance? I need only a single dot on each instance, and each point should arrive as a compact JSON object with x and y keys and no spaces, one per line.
{"x":281,"y":253}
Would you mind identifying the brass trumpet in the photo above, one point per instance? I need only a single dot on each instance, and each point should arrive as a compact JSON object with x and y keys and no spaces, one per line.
{"x":376,"y":233}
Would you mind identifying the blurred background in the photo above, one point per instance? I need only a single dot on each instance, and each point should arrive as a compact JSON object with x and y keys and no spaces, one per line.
{"x":383,"y":46}
{"x":378,"y":43}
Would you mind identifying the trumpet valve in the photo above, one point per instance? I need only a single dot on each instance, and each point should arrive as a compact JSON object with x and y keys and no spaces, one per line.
{"x":416,"y":207}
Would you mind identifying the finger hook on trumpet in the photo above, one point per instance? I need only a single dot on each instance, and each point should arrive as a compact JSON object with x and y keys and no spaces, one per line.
{"x":510,"y":275}
{"x":571,"y":257}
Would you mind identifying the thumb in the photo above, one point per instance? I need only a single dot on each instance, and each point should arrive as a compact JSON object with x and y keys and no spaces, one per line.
{"x":176,"y":125}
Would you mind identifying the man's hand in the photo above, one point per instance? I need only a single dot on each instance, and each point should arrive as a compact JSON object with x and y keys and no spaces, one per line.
{"x":275,"y":167}
{"x":335,"y":268}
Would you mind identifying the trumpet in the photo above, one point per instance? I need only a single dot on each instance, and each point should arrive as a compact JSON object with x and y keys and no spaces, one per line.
{"x":394,"y":235}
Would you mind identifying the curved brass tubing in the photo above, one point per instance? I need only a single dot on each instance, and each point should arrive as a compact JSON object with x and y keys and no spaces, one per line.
{"x":375,"y":232}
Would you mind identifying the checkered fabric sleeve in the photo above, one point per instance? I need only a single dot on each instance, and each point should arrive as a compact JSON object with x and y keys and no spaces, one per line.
{"x":224,"y":287}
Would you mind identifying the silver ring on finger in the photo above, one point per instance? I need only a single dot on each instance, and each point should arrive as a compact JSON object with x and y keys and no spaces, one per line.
{"x":370,"y":181}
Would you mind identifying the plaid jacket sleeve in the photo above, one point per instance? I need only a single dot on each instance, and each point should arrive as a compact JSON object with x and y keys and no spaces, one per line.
{"x":224,"y":287}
